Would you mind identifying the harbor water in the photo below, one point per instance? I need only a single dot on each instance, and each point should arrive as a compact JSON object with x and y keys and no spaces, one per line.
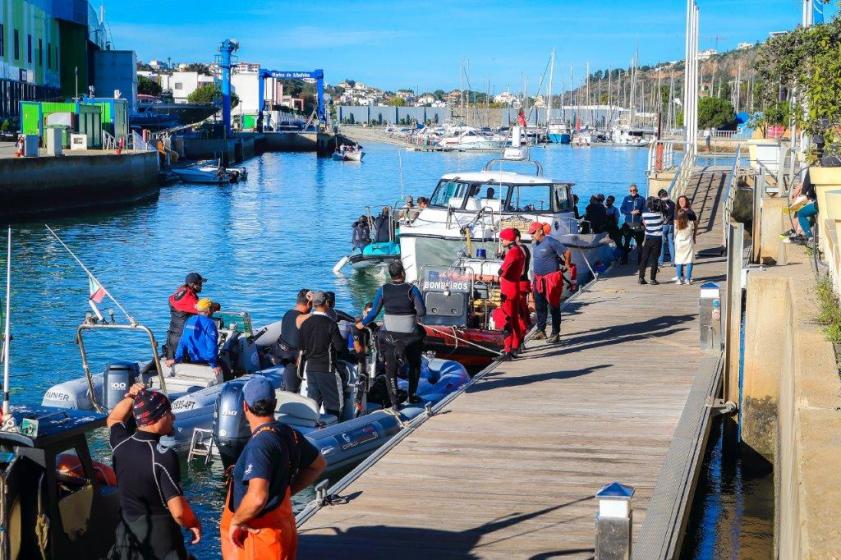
{"x":257,"y":242}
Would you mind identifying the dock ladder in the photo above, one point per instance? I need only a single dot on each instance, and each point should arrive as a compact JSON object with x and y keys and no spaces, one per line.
{"x":201,"y":445}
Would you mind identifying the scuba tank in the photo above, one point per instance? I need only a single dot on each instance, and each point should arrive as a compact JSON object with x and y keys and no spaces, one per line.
{"x":230,"y":428}
{"x":118,"y":378}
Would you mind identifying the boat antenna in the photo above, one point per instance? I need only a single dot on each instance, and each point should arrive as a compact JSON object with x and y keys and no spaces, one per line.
{"x":6,"y":336}
{"x":92,"y":277}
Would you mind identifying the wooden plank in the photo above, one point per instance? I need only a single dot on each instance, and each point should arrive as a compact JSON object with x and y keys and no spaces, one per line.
{"x":511,"y":467}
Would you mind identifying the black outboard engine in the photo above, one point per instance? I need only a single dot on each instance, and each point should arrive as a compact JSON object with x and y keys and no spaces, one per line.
{"x":230,"y":428}
{"x":118,"y":378}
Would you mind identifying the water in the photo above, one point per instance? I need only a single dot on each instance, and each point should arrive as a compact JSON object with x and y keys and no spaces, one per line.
{"x":733,"y":512}
{"x":257,"y":242}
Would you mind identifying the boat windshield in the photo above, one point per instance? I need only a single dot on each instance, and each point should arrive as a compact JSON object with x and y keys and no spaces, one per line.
{"x":501,"y":197}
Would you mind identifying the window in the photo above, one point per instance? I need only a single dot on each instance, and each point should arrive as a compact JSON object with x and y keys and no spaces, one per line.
{"x":40,"y":53}
{"x":449,"y":193}
{"x":561,"y":198}
{"x":17,"y":44}
{"x":179,"y":85}
{"x":530,"y":198}
{"x":29,"y":48}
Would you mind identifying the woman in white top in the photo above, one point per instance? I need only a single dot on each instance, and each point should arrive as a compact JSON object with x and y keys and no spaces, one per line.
{"x":684,"y":246}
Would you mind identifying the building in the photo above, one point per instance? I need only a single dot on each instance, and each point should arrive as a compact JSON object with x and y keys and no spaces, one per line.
{"x":182,"y":84}
{"x":115,"y":75}
{"x":47,"y":51}
{"x":707,"y":54}
{"x":744,"y":46}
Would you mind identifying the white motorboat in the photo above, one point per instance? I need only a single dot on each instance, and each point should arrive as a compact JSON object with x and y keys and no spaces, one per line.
{"x":581,"y":140}
{"x":236,"y":173}
{"x":205,"y":175}
{"x":346,"y":152}
{"x":468,"y":209}
{"x":630,"y":136}
{"x":471,"y":139}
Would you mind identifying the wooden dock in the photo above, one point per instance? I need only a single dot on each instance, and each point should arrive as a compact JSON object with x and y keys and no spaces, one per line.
{"x":510,"y":468}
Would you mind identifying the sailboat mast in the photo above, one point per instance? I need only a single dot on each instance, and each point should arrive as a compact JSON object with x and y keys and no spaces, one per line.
{"x":549,"y":96}
{"x":6,"y":336}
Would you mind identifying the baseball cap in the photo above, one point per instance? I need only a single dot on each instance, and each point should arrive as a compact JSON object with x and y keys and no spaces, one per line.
{"x":508,"y":234}
{"x":535,"y":226}
{"x":204,"y":304}
{"x":150,"y":406}
{"x":258,"y":388}
{"x":319,"y":298}
{"x":195,"y":278}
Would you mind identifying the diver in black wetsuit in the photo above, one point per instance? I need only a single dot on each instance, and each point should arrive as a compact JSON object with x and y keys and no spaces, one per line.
{"x":400,"y":336}
{"x":289,"y":341}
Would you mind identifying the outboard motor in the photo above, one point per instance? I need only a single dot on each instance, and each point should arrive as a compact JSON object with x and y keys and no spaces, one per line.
{"x":230,"y":428}
{"x":118,"y":378}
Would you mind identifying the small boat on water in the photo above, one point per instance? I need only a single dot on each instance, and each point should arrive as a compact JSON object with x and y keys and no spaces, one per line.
{"x":237,"y":173}
{"x":375,"y":240}
{"x":346,"y":152}
{"x":204,"y":175}
{"x":558,"y":133}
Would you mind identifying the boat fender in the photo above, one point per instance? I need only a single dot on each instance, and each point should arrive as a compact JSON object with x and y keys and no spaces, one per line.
{"x":69,"y":465}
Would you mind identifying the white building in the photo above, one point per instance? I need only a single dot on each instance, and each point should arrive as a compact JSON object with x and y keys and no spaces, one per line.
{"x":744,"y":46}
{"x":505,"y":98}
{"x":182,"y":84}
{"x":158,"y":65}
{"x":707,"y":54}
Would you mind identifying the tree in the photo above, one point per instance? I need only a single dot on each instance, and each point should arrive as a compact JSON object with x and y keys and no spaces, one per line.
{"x":351,"y":83}
{"x":397,"y":101}
{"x":210,"y":93}
{"x":198,"y":67}
{"x":715,"y":113}
{"x":147,"y":86}
{"x":439,"y":94}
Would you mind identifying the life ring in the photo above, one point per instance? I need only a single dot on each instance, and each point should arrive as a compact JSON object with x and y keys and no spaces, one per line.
{"x":69,"y":465}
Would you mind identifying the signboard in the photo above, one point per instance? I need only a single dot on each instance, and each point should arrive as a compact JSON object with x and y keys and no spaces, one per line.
{"x":446,"y":278}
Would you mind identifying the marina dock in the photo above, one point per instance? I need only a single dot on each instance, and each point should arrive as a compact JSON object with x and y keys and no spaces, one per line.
{"x":510,"y":468}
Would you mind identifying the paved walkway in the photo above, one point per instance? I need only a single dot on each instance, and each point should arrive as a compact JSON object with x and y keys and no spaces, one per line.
{"x":509,"y":470}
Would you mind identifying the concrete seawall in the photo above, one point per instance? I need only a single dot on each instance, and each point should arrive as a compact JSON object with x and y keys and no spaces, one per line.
{"x":33,"y":186}
{"x":791,"y":406}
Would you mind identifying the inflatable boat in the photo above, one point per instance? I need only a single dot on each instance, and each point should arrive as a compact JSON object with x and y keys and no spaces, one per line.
{"x":197,"y":392}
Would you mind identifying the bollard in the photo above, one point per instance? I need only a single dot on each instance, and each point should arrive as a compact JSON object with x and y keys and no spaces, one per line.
{"x":709,"y":311}
{"x":614,"y":522}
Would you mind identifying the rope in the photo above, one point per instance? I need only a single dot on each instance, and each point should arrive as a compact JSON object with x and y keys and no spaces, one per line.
{"x":458,"y":339}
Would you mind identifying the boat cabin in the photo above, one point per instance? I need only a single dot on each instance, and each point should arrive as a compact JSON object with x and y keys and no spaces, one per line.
{"x":504,"y":192}
{"x":56,"y":502}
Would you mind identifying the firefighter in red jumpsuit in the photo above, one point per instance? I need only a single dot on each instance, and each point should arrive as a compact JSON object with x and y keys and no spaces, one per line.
{"x":510,"y":274}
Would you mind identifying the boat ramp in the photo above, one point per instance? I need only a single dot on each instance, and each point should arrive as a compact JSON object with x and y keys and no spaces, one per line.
{"x":510,"y":467}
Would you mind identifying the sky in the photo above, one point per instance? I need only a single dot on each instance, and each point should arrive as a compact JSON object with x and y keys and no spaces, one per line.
{"x":396,"y":44}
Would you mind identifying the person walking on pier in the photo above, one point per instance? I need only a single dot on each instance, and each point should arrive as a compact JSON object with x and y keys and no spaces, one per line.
{"x":182,"y":304}
{"x":400,"y":335}
{"x":632,"y":208}
{"x":685,"y":247}
{"x":320,"y":342}
{"x":653,"y":220}
{"x":153,"y":507}
{"x":276,"y":463}
{"x":550,"y":261}
{"x":510,"y":275}
{"x":684,"y":204}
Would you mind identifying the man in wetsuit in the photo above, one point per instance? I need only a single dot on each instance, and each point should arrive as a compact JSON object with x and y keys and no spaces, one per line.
{"x":149,"y":481}
{"x":510,"y":275}
{"x":182,"y":304}
{"x":289,"y":341}
{"x":276,"y":463}
{"x":400,"y":336}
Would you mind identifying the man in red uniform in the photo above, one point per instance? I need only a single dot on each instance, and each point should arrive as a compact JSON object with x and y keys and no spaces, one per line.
{"x":525,"y":288}
{"x":510,"y":274}
{"x":182,"y":304}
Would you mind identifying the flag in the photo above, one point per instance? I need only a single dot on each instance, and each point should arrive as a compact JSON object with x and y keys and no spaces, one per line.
{"x":97,"y":292}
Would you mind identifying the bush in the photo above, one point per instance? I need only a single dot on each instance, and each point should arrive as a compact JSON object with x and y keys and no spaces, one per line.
{"x":830,"y":311}
{"x":716,"y":113}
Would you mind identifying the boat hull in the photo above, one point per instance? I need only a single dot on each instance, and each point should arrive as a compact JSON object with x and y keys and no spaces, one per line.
{"x":448,"y":343}
{"x":560,"y":138}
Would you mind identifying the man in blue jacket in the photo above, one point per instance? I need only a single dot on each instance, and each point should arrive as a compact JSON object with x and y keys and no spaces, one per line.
{"x":200,"y":339}
{"x":632,"y":207}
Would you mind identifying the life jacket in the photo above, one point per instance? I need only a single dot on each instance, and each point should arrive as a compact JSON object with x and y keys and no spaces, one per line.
{"x":400,"y":315}
{"x":178,"y":313}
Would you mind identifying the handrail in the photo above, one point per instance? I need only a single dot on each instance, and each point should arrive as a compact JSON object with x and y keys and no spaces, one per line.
{"x":677,"y":187}
{"x":537,"y":164}
{"x":730,"y":195}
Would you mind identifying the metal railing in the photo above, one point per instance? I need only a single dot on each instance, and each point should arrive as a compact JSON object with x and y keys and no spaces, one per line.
{"x":730,"y":195}
{"x":682,"y":175}
{"x":108,"y":141}
{"x":662,"y":161}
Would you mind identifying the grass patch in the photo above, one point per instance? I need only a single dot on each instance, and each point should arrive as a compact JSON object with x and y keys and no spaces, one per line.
{"x":830,"y":311}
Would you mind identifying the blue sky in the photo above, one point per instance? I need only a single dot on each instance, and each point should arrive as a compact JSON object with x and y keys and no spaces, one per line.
{"x":397,"y":43}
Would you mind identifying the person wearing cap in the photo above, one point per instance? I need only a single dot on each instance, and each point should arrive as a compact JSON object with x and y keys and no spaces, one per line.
{"x":153,"y":507}
{"x":550,"y":259}
{"x":199,"y":342}
{"x":276,"y":463}
{"x":320,"y":342}
{"x":401,"y":337}
{"x":510,"y":274}
{"x":182,"y":304}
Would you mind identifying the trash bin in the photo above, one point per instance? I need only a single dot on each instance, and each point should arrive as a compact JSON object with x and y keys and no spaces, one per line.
{"x":710,"y":312}
{"x":54,"y":141}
